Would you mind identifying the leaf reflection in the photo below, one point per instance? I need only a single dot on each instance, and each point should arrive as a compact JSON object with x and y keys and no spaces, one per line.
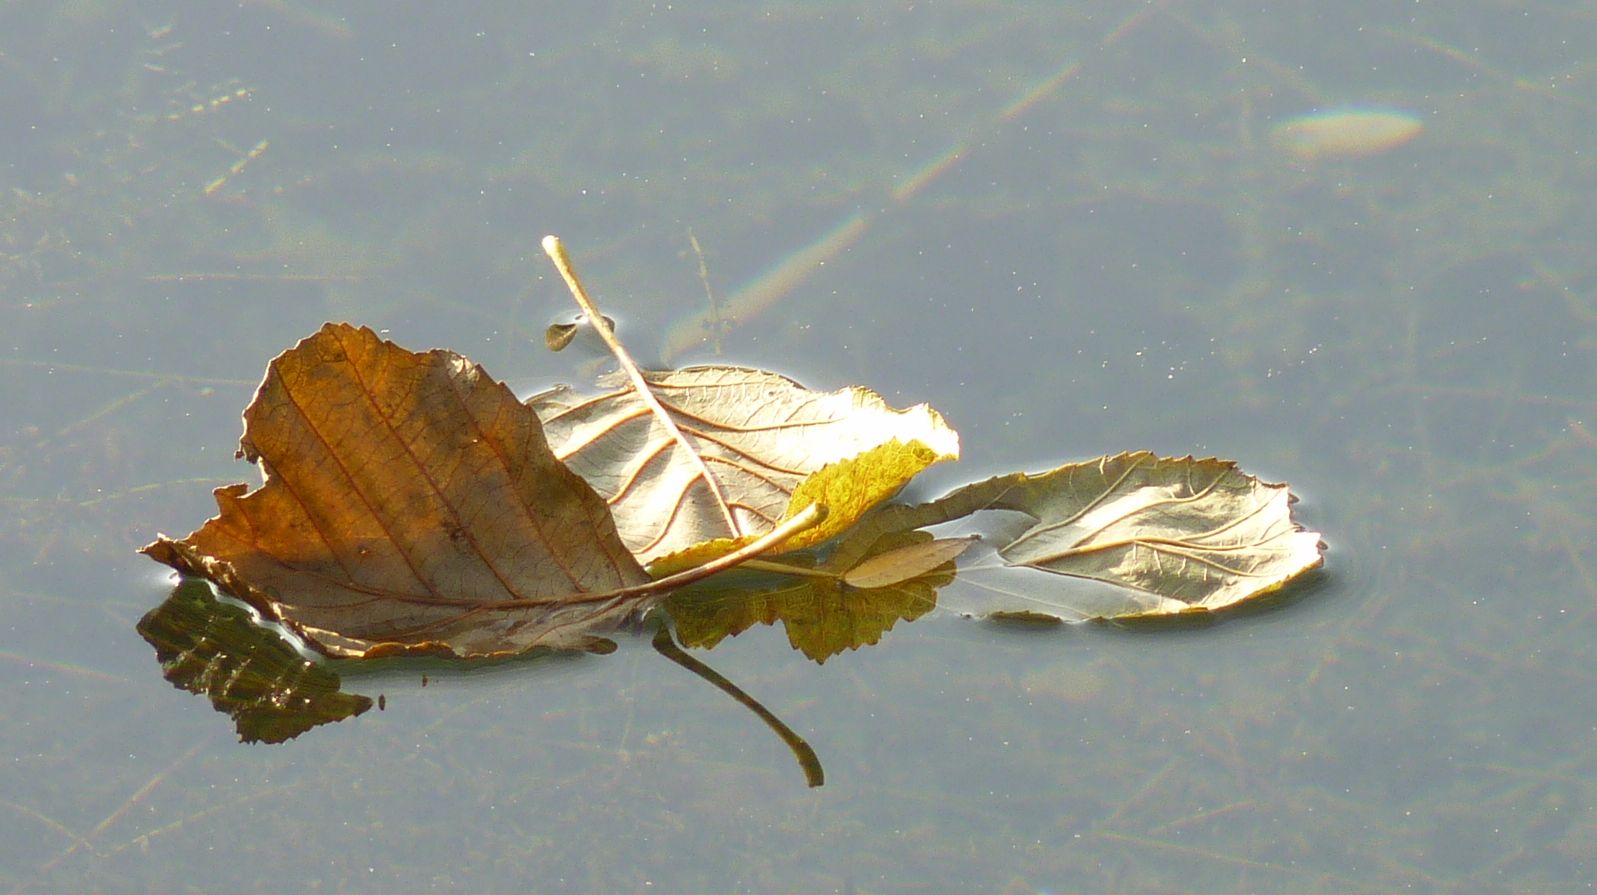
{"x":249,"y":672}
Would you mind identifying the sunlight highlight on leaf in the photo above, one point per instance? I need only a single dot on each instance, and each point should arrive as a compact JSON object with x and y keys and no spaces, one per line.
{"x":760,"y":434}
{"x":1178,"y":534}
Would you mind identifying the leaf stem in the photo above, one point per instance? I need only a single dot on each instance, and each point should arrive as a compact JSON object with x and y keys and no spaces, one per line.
{"x":806,"y":519}
{"x":601,"y":325}
{"x":782,"y":568}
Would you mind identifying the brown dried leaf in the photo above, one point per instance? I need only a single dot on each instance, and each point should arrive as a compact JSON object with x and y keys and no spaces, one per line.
{"x":409,"y":504}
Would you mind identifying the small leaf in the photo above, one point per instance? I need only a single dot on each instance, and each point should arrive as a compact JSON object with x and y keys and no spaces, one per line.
{"x":906,"y":562}
{"x":409,"y":504}
{"x":762,"y":437}
{"x":558,"y":335}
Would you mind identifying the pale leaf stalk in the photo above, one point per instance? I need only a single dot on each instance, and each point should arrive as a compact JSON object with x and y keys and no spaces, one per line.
{"x":782,"y":568}
{"x":557,"y":253}
{"x":802,"y":521}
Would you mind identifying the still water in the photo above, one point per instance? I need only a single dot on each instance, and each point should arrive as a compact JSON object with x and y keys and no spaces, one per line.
{"x":1072,"y":232}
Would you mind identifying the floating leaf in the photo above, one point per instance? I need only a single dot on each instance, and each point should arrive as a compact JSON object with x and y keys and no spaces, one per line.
{"x":904,"y":563}
{"x":409,"y":504}
{"x":558,"y":335}
{"x":216,"y":649}
{"x":760,"y":435}
{"x":1178,"y":534}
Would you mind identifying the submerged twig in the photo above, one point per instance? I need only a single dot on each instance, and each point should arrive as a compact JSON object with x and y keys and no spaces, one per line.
{"x":814,"y":775}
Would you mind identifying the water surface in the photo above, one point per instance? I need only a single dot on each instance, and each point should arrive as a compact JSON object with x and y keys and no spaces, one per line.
{"x":1067,"y":230}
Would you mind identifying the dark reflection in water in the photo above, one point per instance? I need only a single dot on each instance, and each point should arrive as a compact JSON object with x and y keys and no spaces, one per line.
{"x":216,"y":649}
